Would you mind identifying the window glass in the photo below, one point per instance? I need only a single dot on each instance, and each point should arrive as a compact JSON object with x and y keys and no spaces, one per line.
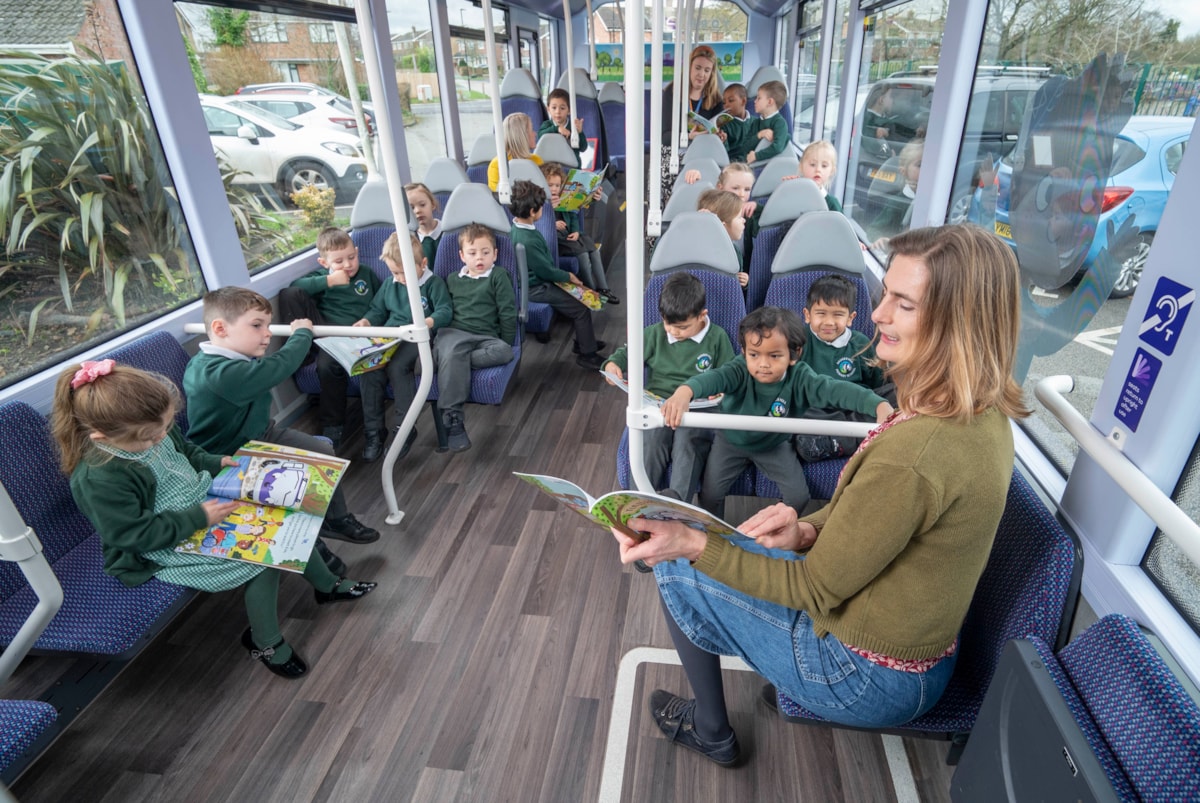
{"x":269,"y":86}
{"x":419,"y":84}
{"x":108,"y":248}
{"x":545,"y":48}
{"x":892,"y":113}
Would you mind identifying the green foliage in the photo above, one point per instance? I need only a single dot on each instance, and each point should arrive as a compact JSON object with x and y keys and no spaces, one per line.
{"x":316,"y":206}
{"x":194,"y":64}
{"x":228,"y":26}
{"x":425,"y":61}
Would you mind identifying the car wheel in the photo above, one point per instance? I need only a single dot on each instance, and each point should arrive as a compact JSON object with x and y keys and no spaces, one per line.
{"x":307,"y":174}
{"x":1131,"y":269}
{"x":960,"y":209}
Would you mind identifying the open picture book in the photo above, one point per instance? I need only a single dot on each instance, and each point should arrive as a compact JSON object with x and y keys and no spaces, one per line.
{"x":706,"y":125}
{"x":654,"y":400}
{"x":359,"y":354}
{"x":617,"y":508}
{"x":284,"y":493}
{"x":577,"y":189}
{"x":585,"y":295}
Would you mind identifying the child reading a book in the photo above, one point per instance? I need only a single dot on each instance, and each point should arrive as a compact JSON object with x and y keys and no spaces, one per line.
{"x":728,"y":207}
{"x":770,"y":126}
{"x":528,"y":200}
{"x":228,"y":388}
{"x":391,"y":308}
{"x":571,"y":239}
{"x":429,"y":229}
{"x":766,"y":379}
{"x":840,"y":352}
{"x":735,"y":129}
{"x":482,"y":330}
{"x":558,"y":105}
{"x":684,"y":344}
{"x":336,"y":295}
{"x":144,"y":489}
{"x":519,"y":141}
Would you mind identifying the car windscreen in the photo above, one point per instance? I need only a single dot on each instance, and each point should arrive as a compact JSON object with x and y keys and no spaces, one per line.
{"x":266,"y":116}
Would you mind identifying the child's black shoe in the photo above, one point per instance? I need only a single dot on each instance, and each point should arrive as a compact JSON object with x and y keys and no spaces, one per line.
{"x":357,"y":591}
{"x":334,"y":434}
{"x":456,"y":431}
{"x":350,"y":529}
{"x":292,"y":668}
{"x":610,"y":297}
{"x":373,"y":447}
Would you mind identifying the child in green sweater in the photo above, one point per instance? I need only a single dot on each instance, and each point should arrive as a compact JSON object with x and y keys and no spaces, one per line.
{"x":840,"y":352}
{"x":767,"y":379}
{"x":336,"y":295}
{"x":736,"y":132}
{"x":145,"y":489}
{"x":770,"y":126}
{"x":528,"y":204}
{"x":228,"y":386}
{"x":558,"y":105}
{"x":429,"y":229}
{"x":391,"y":308}
{"x":482,"y":330}
{"x":684,"y":344}
{"x":572,"y":241}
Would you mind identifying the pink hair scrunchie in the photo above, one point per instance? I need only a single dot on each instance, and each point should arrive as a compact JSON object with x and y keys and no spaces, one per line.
{"x":89,"y":370}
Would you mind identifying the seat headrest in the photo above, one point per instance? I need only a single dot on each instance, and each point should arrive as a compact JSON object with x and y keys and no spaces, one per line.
{"x":706,"y":146}
{"x":695,"y":239}
{"x":373,"y":206}
{"x":473,"y":203}
{"x":785,"y":164}
{"x":792,"y":199}
{"x":444,"y":175}
{"x":819,"y":240}
{"x":526,"y":170}
{"x":767,"y":72}
{"x":611,"y":92}
{"x":584,"y":88}
{"x":555,"y":148}
{"x":709,"y":170}
{"x":684,"y":199}
{"x":519,"y":83}
{"x":483,"y":149}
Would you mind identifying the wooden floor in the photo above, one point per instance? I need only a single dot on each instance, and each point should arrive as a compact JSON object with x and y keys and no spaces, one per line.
{"x":483,"y":668}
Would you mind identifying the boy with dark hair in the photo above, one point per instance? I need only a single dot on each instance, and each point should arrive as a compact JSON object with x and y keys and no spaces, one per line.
{"x":686,"y":343}
{"x":336,"y":295}
{"x":482,"y":330}
{"x":558,"y":105}
{"x":770,"y":126}
{"x":737,"y":133}
{"x":228,"y":390}
{"x":766,"y":379}
{"x":837,"y":351}
{"x":571,"y":239}
{"x":528,"y":200}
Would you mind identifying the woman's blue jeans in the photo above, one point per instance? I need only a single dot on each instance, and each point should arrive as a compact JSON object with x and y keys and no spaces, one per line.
{"x":820,"y":674}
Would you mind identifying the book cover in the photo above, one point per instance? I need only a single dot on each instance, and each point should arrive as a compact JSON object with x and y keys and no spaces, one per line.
{"x":617,"y":508}
{"x":587,"y":296}
{"x":285,"y":493}
{"x":706,"y":125}
{"x":654,"y":400}
{"x":577,"y":189}
{"x":358,"y":355}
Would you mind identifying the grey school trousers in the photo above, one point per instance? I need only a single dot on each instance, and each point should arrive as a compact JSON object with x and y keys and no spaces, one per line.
{"x":457,"y":353}
{"x":726,"y":462}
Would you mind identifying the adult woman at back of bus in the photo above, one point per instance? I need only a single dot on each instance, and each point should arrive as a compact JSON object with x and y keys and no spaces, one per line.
{"x":703,"y":97}
{"x":854,"y":611}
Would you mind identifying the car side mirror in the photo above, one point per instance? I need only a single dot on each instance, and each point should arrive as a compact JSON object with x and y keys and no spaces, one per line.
{"x":247,"y":132}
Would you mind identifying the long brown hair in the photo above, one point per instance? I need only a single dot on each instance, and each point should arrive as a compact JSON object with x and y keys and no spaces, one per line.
{"x":127,"y":402}
{"x":710,"y":94}
{"x":962,"y":358}
{"x":516,"y":135}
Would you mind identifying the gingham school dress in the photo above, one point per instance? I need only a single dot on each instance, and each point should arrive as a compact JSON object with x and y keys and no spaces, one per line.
{"x":181,"y":486}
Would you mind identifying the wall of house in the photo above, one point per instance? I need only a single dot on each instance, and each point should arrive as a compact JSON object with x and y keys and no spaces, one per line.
{"x":103,"y":32}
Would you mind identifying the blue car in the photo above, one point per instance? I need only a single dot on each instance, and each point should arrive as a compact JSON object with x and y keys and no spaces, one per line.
{"x":1146,"y":156}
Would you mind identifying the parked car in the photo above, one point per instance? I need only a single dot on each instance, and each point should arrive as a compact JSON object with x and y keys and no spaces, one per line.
{"x":330,"y":111}
{"x":270,"y":150}
{"x":299,"y":87}
{"x":1146,"y":157}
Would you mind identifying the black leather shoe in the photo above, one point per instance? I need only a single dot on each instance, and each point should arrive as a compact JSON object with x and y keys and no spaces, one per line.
{"x":675,"y":717}
{"x":335,"y":564}
{"x":292,"y":668}
{"x":610,"y":297}
{"x":348,"y":528}
{"x":357,"y":591}
{"x":373,"y":447}
{"x":600,"y":346}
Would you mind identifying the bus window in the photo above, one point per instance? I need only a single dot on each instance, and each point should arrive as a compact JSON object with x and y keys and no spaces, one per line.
{"x":108,"y":248}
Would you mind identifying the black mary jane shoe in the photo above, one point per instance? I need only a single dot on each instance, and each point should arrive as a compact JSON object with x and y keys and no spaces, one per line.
{"x":357,"y":591}
{"x":292,"y":668}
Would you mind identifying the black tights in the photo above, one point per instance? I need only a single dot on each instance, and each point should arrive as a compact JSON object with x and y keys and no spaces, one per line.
{"x":703,"y":671}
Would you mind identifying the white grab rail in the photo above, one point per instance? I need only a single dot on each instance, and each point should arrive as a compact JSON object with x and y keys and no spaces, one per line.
{"x":1161,"y":509}
{"x":19,"y":544}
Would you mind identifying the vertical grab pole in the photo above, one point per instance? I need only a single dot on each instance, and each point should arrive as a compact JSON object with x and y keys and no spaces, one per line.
{"x":570,"y":71}
{"x":654,"y":220}
{"x":503,"y":188}
{"x":591,"y":38}
{"x":681,"y":100}
{"x":400,"y":212}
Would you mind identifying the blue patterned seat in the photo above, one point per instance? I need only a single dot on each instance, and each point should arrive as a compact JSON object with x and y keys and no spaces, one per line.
{"x":159,"y":352}
{"x":789,"y":201}
{"x":587,"y":107}
{"x":1028,"y":588}
{"x":21,"y":723}
{"x":519,"y":92}
{"x":99,"y":615}
{"x":612,"y":112}
{"x":483,"y":151}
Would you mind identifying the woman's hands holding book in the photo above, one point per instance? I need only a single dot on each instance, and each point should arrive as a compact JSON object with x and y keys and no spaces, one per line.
{"x":665,"y":540}
{"x":777,"y":527}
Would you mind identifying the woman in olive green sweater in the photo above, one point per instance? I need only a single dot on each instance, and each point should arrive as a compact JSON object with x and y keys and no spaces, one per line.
{"x":854,"y":610}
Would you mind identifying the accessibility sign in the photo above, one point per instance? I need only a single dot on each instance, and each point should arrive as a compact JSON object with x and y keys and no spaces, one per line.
{"x":1139,"y":382}
{"x":1166,"y":315}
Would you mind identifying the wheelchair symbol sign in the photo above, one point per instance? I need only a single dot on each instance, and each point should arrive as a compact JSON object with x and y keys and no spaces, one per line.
{"x":1166,"y":315}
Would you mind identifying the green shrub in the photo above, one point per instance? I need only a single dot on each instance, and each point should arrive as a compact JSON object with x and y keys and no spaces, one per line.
{"x":316,"y":206}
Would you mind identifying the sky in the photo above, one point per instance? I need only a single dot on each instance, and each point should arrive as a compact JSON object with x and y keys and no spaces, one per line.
{"x":1186,"y":11}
